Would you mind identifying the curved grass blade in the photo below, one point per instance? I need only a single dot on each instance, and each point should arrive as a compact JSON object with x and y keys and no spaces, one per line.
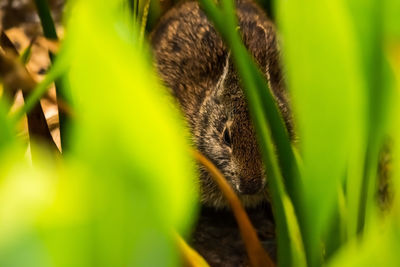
{"x":257,"y":255}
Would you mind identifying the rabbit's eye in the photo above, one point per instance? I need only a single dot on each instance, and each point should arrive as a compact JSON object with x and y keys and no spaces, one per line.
{"x":227,"y":137}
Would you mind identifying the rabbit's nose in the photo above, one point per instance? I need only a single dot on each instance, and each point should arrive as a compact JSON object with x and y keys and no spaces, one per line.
{"x":250,"y":186}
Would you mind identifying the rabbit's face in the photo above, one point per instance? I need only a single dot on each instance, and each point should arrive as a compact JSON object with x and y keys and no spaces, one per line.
{"x":225,"y":134}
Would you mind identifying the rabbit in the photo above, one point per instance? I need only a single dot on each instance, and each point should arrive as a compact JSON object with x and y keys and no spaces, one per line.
{"x":194,"y":63}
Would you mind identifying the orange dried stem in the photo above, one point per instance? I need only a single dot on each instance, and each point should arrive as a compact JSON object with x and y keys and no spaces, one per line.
{"x":257,"y":255}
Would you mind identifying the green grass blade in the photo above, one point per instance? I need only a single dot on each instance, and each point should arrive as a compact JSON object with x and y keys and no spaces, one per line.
{"x":262,"y":106}
{"x":128,"y":179}
{"x":320,"y":49}
{"x":290,"y":243}
{"x":143,"y":23}
{"x":128,"y":131}
{"x":368,"y":20}
{"x":6,"y":132}
{"x":27,"y":53}
{"x":377,"y":248}
{"x":56,"y":70}
{"x":62,"y":88}
{"x":46,"y":20}
{"x":257,"y":91}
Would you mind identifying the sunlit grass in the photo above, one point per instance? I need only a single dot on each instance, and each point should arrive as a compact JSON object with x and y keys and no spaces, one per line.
{"x":128,"y":180}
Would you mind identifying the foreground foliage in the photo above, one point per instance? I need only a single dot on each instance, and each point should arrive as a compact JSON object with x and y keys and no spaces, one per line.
{"x":126,"y":178}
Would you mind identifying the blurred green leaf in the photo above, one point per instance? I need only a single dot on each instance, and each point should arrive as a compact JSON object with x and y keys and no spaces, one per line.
{"x":127,"y":125}
{"x":6,"y":132}
{"x":128,"y":130}
{"x":324,"y":77}
{"x":368,"y":17}
{"x":391,"y":19}
{"x":127,"y":180}
{"x":379,"y":247}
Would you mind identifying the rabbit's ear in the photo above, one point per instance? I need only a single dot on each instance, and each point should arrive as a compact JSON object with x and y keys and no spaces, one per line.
{"x":220,"y":87}
{"x":228,"y":89}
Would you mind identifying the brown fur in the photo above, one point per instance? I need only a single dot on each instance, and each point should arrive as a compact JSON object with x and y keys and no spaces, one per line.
{"x":193,"y":61}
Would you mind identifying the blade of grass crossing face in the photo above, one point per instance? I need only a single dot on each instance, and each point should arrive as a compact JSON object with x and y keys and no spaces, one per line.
{"x":265,"y":112}
{"x":290,"y":243}
{"x":287,"y":229}
{"x":256,"y":87}
{"x":259,"y":103}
